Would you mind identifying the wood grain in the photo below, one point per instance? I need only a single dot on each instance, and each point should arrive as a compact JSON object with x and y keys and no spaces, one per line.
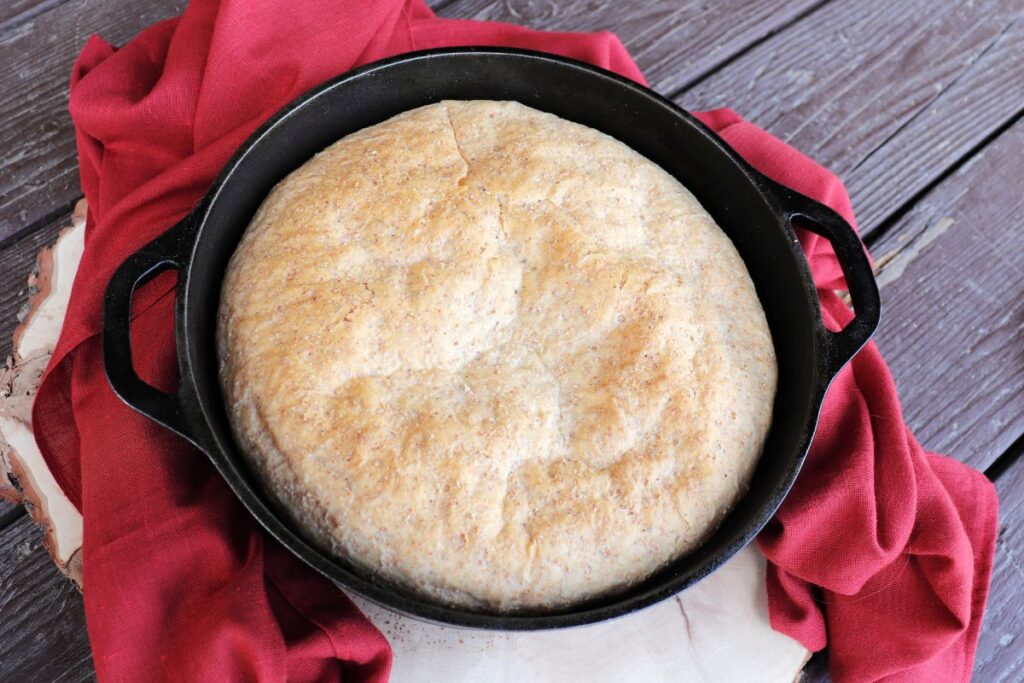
{"x":51,"y":648}
{"x":974,"y":106}
{"x":42,"y":633}
{"x":932,"y":79}
{"x":38,"y":173}
{"x":1000,"y":655}
{"x":673,"y":42}
{"x":15,"y":13}
{"x":952,"y":279}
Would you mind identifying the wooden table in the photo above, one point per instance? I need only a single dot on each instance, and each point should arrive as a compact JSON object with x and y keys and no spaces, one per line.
{"x":918,"y":105}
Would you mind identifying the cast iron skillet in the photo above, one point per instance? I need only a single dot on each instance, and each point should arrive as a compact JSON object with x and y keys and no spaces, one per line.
{"x":754,"y":211}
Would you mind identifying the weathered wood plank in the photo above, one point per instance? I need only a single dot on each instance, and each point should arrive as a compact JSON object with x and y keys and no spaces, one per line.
{"x":1000,"y":656}
{"x":673,"y":42}
{"x":964,"y":115}
{"x":931,"y":79}
{"x":951,"y":273}
{"x":42,"y":633}
{"x":15,"y":13}
{"x":38,"y":174}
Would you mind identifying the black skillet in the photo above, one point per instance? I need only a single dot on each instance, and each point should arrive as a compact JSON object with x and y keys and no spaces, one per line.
{"x":754,"y":211}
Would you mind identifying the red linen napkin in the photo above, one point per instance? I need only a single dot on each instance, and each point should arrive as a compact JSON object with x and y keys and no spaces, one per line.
{"x":882,"y":550}
{"x":884,"y":547}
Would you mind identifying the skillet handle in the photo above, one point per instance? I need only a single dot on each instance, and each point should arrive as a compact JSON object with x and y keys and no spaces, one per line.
{"x":165,"y":252}
{"x":840,"y":346}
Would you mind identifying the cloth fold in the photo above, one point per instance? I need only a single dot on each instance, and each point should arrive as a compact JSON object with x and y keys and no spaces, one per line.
{"x":882,"y":550}
{"x":881,"y":547}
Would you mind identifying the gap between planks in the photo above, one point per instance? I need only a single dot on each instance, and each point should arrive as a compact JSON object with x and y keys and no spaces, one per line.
{"x":18,"y":12}
{"x":701,"y":77}
{"x":42,"y":634}
{"x":887,"y":95}
{"x":880,"y":232}
{"x":1008,"y":459}
{"x":10,"y":513}
{"x":956,"y":258}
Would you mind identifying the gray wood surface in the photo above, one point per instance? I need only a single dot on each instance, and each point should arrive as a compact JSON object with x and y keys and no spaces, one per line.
{"x":38,"y":176}
{"x":952,"y":281}
{"x":853,"y":77}
{"x":16,"y":263}
{"x":1000,"y":657}
{"x":16,"y":12}
{"x":915,"y":104}
{"x":970,"y":109}
{"x":42,"y":633}
{"x":38,"y":173}
{"x":951,"y":271}
{"x":674,"y":42}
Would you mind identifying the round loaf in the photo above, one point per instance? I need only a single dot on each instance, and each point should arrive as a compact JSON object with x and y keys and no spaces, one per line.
{"x":494,"y":356}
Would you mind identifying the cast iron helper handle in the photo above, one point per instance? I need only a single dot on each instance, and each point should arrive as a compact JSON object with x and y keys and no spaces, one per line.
{"x":165,"y":252}
{"x":840,"y":346}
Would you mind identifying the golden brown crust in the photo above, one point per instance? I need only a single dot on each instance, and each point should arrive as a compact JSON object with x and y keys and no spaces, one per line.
{"x":495,"y":356}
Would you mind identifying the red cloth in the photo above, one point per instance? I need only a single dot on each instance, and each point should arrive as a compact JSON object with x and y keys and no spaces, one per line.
{"x":882,"y":546}
{"x":882,"y":550}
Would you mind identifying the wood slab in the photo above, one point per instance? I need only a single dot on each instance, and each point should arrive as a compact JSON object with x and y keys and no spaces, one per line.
{"x":17,"y":262}
{"x":714,"y":631}
{"x":24,"y":474}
